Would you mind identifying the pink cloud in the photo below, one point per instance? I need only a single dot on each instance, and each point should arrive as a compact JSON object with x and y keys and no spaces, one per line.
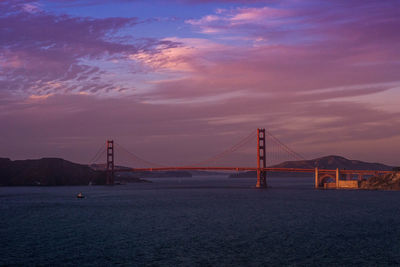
{"x":73,"y":126}
{"x":300,"y":72}
{"x":191,"y":55}
{"x":295,"y":23}
{"x":32,"y":58}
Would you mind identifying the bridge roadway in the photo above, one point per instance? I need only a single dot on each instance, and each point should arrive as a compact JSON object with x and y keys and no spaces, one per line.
{"x":268,"y":169}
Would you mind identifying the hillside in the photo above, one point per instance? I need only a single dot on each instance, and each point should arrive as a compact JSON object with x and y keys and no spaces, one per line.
{"x":47,"y":171}
{"x":328,"y":162}
{"x":126,"y":176}
{"x":384,"y":182}
{"x":333,"y":162}
{"x":160,"y":174}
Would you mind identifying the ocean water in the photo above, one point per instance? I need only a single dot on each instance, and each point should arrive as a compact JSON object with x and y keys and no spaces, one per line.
{"x":199,"y":221}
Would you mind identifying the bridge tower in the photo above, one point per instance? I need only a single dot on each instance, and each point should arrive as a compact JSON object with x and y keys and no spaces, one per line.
{"x":261,"y":160}
{"x":110,"y":162}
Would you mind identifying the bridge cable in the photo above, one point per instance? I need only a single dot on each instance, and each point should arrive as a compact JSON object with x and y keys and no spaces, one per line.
{"x":285,"y":147}
{"x":137,"y":158}
{"x":96,"y":157}
{"x":295,"y":155}
{"x":230,"y":150}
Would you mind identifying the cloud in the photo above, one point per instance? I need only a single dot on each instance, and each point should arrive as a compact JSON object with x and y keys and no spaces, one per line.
{"x":39,"y":49}
{"x":74,"y":126}
{"x":289,"y":49}
{"x":319,"y":76}
{"x":314,"y":22}
{"x":191,"y":55}
{"x":99,"y":2}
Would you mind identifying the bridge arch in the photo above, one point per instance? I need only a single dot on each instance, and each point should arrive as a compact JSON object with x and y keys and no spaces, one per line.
{"x":326,"y":178}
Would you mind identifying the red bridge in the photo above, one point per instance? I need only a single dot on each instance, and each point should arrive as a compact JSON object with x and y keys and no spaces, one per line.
{"x":324,"y":178}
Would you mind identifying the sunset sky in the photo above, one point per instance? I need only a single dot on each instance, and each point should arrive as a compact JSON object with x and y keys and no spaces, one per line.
{"x":177,"y":81}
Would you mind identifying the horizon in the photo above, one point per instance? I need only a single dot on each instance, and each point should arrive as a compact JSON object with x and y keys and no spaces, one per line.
{"x":271,"y":165}
{"x":178,"y":81}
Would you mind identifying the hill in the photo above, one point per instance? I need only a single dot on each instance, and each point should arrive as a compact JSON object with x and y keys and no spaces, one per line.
{"x":328,"y":162}
{"x":128,"y":176}
{"x":384,"y":182}
{"x":47,"y":171}
{"x":333,"y":162}
{"x":159,"y":174}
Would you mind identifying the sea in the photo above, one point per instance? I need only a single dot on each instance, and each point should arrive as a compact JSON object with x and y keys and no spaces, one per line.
{"x":199,"y":221}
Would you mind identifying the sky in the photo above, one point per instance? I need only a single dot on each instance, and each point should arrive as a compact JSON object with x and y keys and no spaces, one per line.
{"x":177,"y":81}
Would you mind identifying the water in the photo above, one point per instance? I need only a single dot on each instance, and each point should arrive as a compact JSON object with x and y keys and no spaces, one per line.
{"x":200,"y":221}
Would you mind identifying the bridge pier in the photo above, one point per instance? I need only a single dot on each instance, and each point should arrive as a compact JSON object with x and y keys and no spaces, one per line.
{"x":316,"y":178}
{"x":261,"y":179}
{"x":261,"y":160}
{"x":337,"y":177}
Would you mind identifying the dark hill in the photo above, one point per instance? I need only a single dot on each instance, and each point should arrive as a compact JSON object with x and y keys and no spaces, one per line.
{"x":47,"y":171}
{"x":142,"y":174}
{"x":158,"y":174}
{"x":333,"y":162}
{"x":328,"y":162}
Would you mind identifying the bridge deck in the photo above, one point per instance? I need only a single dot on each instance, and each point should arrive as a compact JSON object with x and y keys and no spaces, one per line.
{"x":270,"y":169}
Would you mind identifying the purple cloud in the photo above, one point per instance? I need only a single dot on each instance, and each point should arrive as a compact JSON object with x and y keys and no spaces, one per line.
{"x":316,"y":22}
{"x":72,"y":126}
{"x":97,"y":2}
{"x":319,"y":76}
{"x":39,"y":50}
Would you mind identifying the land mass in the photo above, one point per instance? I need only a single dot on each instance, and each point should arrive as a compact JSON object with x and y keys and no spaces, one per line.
{"x":329,"y":162}
{"x":384,"y":182}
{"x":48,"y":172}
{"x":129,"y":176}
{"x":56,"y":171}
{"x":53,"y":172}
{"x":125,"y":176}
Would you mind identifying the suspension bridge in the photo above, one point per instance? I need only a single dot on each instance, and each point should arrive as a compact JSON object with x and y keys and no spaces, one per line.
{"x":277,"y":152}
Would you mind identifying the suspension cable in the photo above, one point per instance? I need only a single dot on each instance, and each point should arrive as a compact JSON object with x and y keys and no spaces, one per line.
{"x":137,"y":158}
{"x":285,"y":147}
{"x":97,"y":155}
{"x":230,"y":150}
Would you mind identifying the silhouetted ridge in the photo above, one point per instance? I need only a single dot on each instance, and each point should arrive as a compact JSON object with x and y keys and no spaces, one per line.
{"x":127,"y":176}
{"x":333,"y":162}
{"x":329,"y":162}
{"x":47,"y":171}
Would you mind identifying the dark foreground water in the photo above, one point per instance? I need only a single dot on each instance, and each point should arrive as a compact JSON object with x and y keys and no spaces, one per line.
{"x":199,"y":222}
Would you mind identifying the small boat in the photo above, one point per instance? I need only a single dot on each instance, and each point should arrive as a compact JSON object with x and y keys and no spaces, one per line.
{"x":80,"y":195}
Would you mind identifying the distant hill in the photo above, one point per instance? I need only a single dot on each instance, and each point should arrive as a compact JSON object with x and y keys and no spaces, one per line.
{"x":209,"y":173}
{"x":158,"y":174}
{"x":333,"y":162}
{"x":127,"y":176}
{"x":47,"y":171}
{"x":328,"y":162}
